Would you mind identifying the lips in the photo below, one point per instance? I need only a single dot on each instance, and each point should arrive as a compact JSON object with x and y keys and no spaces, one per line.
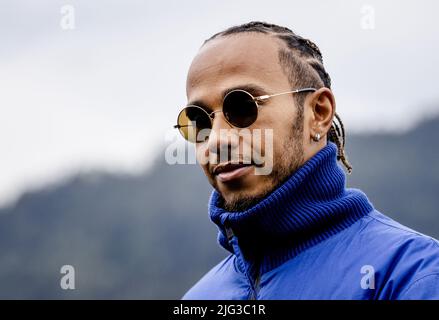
{"x":231,"y":171}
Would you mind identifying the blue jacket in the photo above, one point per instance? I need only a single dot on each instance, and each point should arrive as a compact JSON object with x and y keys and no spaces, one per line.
{"x":313,"y":238}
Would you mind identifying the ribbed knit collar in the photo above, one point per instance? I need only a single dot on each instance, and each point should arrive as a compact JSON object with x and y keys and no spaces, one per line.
{"x":312,"y":205}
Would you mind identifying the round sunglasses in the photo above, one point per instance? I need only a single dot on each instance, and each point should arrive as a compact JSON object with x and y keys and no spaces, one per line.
{"x":240,"y":109}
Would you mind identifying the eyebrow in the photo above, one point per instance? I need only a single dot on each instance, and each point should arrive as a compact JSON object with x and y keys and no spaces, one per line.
{"x":254,"y":89}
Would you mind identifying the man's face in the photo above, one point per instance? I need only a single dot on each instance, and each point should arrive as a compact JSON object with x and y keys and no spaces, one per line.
{"x":242,"y":61}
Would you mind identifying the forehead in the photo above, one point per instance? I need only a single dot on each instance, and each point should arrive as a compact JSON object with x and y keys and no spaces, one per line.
{"x":231,"y":61}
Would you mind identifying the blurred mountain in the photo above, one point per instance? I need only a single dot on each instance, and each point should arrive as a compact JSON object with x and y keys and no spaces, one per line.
{"x":149,"y":236}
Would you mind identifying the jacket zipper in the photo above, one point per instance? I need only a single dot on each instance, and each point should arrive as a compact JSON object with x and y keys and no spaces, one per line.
{"x":254,"y":284}
{"x":255,"y":288}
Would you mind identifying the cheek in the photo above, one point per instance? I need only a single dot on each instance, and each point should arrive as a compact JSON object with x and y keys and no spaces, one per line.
{"x":280,"y":124}
{"x":268,"y":141}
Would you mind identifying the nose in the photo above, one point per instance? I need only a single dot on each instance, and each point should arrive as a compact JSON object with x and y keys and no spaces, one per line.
{"x":223,"y":137}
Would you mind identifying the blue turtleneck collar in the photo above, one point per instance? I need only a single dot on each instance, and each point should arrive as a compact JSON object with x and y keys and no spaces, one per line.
{"x":310,"y":206}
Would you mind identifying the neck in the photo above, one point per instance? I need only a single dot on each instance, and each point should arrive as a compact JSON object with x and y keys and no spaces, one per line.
{"x":310,"y":206}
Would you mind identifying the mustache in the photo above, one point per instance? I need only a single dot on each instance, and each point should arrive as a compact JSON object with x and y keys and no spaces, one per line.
{"x":217,"y":163}
{"x":253,"y":149}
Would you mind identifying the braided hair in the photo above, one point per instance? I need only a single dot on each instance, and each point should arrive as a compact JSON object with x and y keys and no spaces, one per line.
{"x":302,"y":62}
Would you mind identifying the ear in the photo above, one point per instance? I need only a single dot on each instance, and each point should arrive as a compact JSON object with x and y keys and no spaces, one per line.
{"x":323,"y":110}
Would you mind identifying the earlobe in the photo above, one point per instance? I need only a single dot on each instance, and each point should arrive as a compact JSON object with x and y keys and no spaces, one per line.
{"x":323,"y":109}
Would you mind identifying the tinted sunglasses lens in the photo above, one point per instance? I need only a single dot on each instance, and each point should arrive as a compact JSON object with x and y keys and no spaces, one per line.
{"x":240,"y":109}
{"x":191,"y":121}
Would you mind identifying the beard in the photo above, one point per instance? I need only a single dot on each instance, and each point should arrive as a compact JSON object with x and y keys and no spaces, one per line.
{"x":289,"y":158}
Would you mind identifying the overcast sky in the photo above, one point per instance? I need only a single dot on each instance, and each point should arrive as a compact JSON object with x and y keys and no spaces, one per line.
{"x":103,"y":95}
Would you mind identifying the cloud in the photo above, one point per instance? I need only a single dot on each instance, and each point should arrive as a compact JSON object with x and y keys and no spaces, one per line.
{"x":104,"y":94}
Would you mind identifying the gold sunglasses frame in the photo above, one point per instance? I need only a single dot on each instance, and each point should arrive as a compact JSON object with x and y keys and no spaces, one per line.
{"x":255,"y":99}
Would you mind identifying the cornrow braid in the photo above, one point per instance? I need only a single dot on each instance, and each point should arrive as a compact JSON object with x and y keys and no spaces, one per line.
{"x":336,"y":134}
{"x":303,"y":63}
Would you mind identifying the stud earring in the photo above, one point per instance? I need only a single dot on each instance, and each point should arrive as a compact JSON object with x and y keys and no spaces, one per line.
{"x":316,"y":137}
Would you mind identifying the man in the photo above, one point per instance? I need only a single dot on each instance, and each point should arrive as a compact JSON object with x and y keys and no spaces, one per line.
{"x":296,"y":232}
